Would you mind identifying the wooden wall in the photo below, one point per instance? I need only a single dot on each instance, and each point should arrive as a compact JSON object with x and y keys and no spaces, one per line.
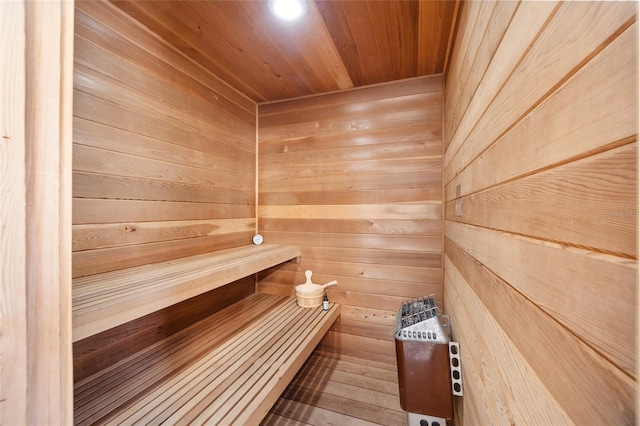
{"x":35,"y":212}
{"x":541,"y":117}
{"x":354,"y":179}
{"x":164,"y":166}
{"x":164,"y":151}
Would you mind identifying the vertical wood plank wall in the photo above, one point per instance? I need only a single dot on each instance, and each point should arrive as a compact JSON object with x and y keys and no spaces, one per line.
{"x":164,"y":151}
{"x":540,"y":175}
{"x":35,"y":213}
{"x":354,"y":179}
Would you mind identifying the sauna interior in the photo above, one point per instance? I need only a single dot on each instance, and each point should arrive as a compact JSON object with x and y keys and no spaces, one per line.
{"x":484,"y":152}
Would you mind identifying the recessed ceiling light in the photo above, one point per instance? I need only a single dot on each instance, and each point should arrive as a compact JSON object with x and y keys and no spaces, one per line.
{"x":288,"y":10}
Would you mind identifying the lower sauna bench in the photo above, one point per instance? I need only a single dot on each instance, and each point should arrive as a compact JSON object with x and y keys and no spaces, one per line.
{"x":229,"y":368}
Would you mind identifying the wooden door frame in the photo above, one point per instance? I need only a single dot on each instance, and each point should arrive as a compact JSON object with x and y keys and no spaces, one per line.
{"x":36,"y":380}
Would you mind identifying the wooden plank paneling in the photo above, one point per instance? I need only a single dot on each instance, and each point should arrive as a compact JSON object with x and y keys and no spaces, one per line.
{"x":599,"y":190}
{"x":545,"y":340}
{"x":494,"y":111}
{"x":364,"y":207}
{"x":13,"y":251}
{"x":502,"y":368}
{"x":164,"y":154}
{"x":35,"y":216}
{"x":541,"y":212}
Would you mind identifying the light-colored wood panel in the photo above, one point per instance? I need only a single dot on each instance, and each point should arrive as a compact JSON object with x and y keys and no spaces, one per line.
{"x":528,"y":21}
{"x":89,"y":185}
{"x":375,"y":301}
{"x":364,"y":329}
{"x":48,"y":137}
{"x":518,"y":395}
{"x":379,"y":211}
{"x":96,"y":211}
{"x":100,"y":161}
{"x":109,"y":114}
{"x":592,"y":294}
{"x":93,"y":83}
{"x":357,"y":344}
{"x":364,"y":226}
{"x":97,"y":135}
{"x":122,"y":30}
{"x":386,"y":242}
{"x":351,"y":196}
{"x":375,"y":150}
{"x":375,"y":316}
{"x":353,"y":169}
{"x":590,"y":203}
{"x":88,"y":237}
{"x":14,"y":347}
{"x":461,"y":57}
{"x":92,"y":262}
{"x":376,"y":256}
{"x":362,"y":202}
{"x":599,"y":390}
{"x":405,"y":87}
{"x":371,"y":108}
{"x":367,"y":272}
{"x":362,"y":181}
{"x":492,"y":22}
{"x":476,"y":407}
{"x":340,"y":124}
{"x":88,"y":55}
{"x":592,"y":23}
{"x":585,"y":101}
{"x":376,"y":286}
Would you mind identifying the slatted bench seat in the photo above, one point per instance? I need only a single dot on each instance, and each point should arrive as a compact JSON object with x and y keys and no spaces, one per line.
{"x":229,"y":368}
{"x":109,"y":299}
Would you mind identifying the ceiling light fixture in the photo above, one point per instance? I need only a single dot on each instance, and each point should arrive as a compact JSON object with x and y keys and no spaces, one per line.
{"x":289,"y":10}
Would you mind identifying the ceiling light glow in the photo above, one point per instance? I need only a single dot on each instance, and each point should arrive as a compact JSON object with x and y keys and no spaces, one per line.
{"x":288,"y":10}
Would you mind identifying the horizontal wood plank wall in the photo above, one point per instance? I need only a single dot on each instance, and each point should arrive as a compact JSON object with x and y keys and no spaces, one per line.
{"x":355,"y":179}
{"x":164,"y":151}
{"x":540,"y":175}
{"x":163,"y":167}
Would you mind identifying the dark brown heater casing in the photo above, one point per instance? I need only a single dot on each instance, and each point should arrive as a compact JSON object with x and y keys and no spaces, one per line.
{"x":424,"y":378}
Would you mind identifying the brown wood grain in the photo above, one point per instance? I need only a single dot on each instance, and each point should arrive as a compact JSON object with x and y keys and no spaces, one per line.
{"x":13,"y":217}
{"x":90,"y":237}
{"x":500,"y":365}
{"x":111,"y":346}
{"x":545,"y":340}
{"x":90,"y":262}
{"x":494,"y":112}
{"x":541,"y":156}
{"x":226,"y":384}
{"x":95,"y":211}
{"x":590,"y":203}
{"x":116,"y":31}
{"x":354,"y":178}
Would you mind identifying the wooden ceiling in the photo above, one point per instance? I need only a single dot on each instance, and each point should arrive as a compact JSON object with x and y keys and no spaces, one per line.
{"x":338,"y":44}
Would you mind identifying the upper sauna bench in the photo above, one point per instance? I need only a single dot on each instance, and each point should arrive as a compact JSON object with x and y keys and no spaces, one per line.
{"x":109,"y":299}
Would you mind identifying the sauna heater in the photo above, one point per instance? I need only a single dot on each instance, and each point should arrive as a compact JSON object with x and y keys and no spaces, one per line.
{"x":428,"y":363}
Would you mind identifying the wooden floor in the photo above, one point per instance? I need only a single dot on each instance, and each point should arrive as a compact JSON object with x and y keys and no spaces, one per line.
{"x":333,"y":389}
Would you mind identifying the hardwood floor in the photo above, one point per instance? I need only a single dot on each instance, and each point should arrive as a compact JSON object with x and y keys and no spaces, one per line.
{"x":335,"y":389}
